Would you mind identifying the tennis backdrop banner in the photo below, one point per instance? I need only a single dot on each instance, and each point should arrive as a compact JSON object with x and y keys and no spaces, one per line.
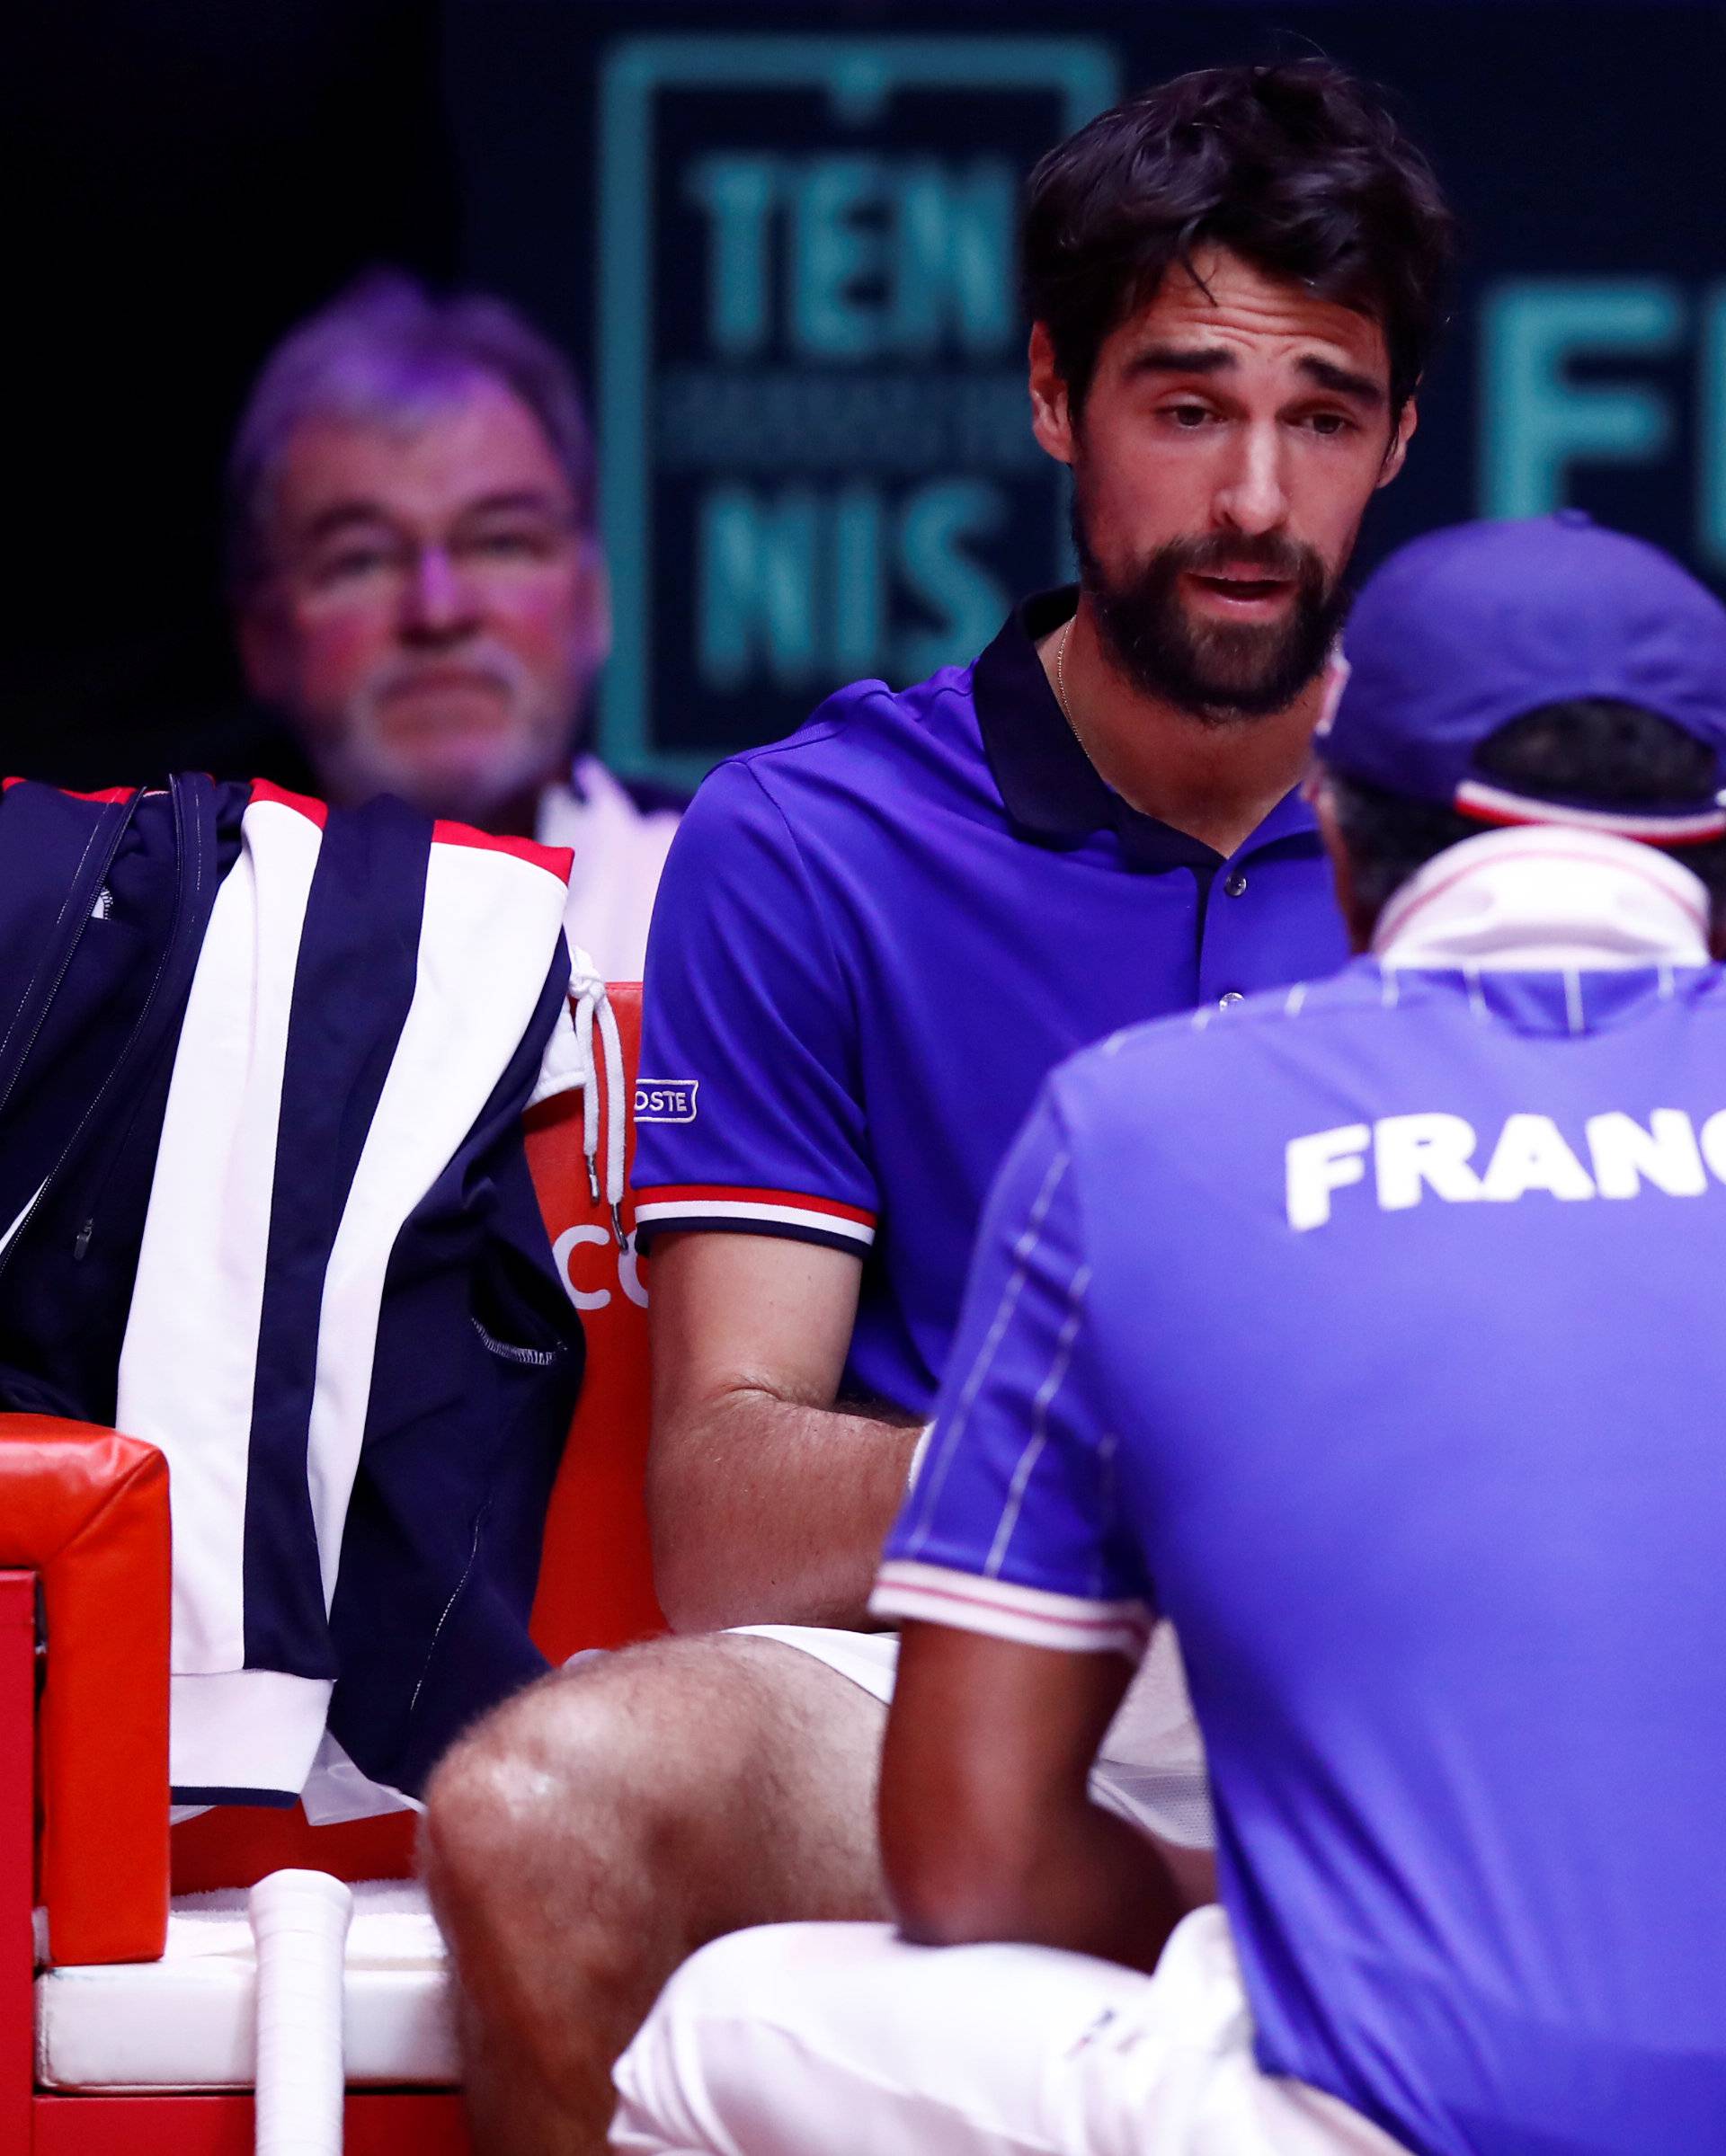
{"x":782,"y":256}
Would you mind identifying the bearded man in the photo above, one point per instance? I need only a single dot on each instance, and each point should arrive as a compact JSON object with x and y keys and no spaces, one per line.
{"x":873,"y":942}
{"x":420,"y":594}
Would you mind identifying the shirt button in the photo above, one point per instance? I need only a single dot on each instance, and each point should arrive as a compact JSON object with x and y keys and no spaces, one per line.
{"x":1236,"y":884}
{"x":1228,"y":996}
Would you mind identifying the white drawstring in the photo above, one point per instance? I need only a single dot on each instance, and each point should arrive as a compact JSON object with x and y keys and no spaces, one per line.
{"x":593,"y":1003}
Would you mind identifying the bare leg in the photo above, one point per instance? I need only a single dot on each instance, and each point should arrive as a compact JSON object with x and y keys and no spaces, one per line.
{"x":594,"y":1832}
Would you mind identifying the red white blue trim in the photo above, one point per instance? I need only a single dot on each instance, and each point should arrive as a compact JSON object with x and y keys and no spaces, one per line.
{"x":668,"y":1207}
{"x":1030,"y":1617}
{"x":1494,"y":805}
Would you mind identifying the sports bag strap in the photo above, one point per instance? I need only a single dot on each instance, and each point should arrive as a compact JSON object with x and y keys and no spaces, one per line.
{"x":82,"y":893}
{"x":191,"y":799}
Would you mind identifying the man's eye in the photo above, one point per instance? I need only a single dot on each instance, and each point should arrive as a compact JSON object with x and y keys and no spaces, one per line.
{"x":350,"y":564}
{"x":1189,"y":417}
{"x":506,"y":546}
{"x":1330,"y":422}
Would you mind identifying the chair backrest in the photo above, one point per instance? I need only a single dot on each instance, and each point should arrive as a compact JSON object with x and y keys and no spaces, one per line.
{"x":595,"y":1575}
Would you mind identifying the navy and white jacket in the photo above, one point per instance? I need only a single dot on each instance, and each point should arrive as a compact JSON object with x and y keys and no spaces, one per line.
{"x":263,"y":1202}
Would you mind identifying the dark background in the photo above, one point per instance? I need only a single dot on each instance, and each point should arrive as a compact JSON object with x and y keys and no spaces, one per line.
{"x":189,"y":178}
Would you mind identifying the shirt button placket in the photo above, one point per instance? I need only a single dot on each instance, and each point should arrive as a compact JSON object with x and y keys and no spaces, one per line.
{"x":1233,"y":885}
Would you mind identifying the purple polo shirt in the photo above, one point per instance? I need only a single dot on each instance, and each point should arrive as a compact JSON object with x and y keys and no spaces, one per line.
{"x":1371,"y":1334}
{"x":872,"y":942}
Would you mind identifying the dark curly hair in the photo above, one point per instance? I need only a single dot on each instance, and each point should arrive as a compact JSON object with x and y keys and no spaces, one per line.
{"x":1297,"y":168}
{"x":1594,"y":751}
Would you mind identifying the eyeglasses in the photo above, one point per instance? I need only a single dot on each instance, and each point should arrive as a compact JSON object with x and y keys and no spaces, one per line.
{"x":371,"y":564}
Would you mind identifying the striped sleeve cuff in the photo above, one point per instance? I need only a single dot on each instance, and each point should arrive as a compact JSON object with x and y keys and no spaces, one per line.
{"x":664,"y":1207}
{"x":1029,"y":1615}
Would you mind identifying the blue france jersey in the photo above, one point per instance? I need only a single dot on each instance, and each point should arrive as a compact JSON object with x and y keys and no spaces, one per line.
{"x":871,"y":943}
{"x":1374,"y":1334}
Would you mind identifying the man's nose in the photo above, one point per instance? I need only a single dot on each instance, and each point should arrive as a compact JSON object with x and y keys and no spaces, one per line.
{"x":438,"y":601}
{"x":1253,"y":498}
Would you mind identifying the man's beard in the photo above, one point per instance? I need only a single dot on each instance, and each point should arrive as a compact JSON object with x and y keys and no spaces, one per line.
{"x":471,"y":777}
{"x":1220,"y":673}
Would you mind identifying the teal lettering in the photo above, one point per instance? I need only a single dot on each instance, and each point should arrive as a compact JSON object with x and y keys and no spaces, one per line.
{"x":757,"y":569}
{"x":1711,"y":429}
{"x":1538,"y":422}
{"x":966,"y":601}
{"x":837,"y":259}
{"x":738,"y":193}
{"x":796,"y":585}
{"x":953,"y":270}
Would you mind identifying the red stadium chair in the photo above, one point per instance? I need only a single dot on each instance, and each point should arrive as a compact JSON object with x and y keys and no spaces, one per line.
{"x":85,"y":1866}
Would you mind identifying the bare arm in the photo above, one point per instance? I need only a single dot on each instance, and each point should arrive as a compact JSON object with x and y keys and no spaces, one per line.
{"x":768,"y":1504}
{"x":987,"y":1828}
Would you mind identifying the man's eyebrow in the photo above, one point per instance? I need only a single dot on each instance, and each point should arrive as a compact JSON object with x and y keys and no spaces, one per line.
{"x":1341,"y":381}
{"x":340,"y":516}
{"x":346,"y":516}
{"x":1215,"y":359}
{"x":514,"y":500}
{"x":1174,"y":358}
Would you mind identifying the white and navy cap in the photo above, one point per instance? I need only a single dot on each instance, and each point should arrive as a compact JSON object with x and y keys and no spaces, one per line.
{"x":1465,"y":630}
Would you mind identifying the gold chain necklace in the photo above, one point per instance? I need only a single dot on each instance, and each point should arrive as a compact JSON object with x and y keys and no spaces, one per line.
{"x":1061,"y":677}
{"x":1073,"y":724}
{"x":1073,"y":727}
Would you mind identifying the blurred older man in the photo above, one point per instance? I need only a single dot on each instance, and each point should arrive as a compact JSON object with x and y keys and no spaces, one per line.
{"x":420,"y":591}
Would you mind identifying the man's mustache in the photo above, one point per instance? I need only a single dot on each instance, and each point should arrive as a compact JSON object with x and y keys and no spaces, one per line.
{"x":1266,"y":555}
{"x":487,"y":662}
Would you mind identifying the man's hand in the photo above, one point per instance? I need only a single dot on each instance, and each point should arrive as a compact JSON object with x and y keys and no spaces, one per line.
{"x":988,"y":1831}
{"x":768,"y":1504}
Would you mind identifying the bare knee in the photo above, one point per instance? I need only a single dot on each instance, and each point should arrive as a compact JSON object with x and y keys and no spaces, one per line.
{"x":693,"y":1785}
{"x":533,"y":1798}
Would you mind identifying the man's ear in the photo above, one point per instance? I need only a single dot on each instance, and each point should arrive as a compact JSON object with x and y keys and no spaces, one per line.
{"x":1051,"y":415}
{"x":1396,"y":456}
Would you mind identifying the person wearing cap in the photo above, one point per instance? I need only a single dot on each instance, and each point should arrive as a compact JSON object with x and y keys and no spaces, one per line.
{"x":1371,"y":1330}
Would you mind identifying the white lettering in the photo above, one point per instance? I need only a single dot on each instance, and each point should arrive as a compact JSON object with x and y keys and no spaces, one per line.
{"x":1530,"y":1155}
{"x":1315,"y":1166}
{"x":666,"y":1100}
{"x":629,"y":1268}
{"x":629,"y":1274}
{"x":1432,"y":1153}
{"x":563,"y":1250}
{"x":1624,"y":1153}
{"x":1410,"y":1150}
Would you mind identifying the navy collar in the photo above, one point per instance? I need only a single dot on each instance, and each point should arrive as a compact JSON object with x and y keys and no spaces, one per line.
{"x":1049,"y":787}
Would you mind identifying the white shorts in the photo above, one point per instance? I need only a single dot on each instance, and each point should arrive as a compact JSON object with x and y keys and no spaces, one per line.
{"x":841,"y":2039}
{"x":1152,"y":1766}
